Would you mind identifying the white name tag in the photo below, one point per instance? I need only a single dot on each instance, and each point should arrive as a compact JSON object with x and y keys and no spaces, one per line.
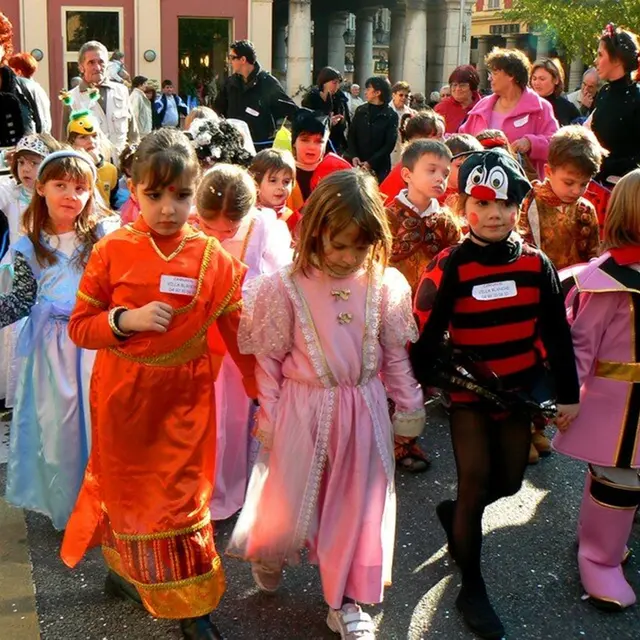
{"x":521,"y":122}
{"x":177,"y":285}
{"x":252,"y":112}
{"x":495,"y":290}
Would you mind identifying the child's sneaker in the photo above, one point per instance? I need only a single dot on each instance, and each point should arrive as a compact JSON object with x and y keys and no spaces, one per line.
{"x":351,"y":622}
{"x":267,"y":578}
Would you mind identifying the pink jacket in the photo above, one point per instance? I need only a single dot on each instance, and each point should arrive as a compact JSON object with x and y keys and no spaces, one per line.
{"x":531,"y":118}
{"x":606,"y":431}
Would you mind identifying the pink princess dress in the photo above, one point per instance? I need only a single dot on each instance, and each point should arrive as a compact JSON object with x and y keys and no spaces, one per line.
{"x":329,"y":351}
{"x":263,"y":243}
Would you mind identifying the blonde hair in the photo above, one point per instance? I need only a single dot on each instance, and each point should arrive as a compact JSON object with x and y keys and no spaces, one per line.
{"x":343,"y":198}
{"x":225,"y":190}
{"x":622,"y":222}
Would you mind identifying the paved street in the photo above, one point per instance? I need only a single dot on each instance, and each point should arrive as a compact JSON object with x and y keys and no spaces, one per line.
{"x":529,"y":565}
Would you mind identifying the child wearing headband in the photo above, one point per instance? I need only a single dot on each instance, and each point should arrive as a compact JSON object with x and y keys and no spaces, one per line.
{"x":50,"y":440}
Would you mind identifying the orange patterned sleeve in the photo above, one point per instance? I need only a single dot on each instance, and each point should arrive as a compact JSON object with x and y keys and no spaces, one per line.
{"x":89,"y":323}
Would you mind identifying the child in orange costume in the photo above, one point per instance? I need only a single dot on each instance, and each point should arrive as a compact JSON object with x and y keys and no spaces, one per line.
{"x":147,"y":298}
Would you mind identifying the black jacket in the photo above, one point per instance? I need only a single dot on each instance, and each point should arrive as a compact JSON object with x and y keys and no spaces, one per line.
{"x":565,"y":111}
{"x":259,"y":102}
{"x":616,"y":123}
{"x":334,"y":105}
{"x":372,"y":137}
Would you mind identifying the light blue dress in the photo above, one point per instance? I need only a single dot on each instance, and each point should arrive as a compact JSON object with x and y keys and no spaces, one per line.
{"x":50,"y":433}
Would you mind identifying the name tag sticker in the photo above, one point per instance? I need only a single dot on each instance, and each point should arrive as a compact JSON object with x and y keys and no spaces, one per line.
{"x":178,"y":286}
{"x":521,"y":122}
{"x":495,"y":290}
{"x":252,"y":112}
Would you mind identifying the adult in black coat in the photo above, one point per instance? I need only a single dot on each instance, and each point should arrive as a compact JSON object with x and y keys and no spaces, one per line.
{"x":253,"y":95}
{"x":374,"y":129}
{"x":327,"y":98}
{"x":547,"y":80}
{"x":616,"y":118}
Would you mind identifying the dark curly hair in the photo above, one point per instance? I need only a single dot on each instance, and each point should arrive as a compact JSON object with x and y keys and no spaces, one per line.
{"x":513,"y":62}
{"x":218,"y":142}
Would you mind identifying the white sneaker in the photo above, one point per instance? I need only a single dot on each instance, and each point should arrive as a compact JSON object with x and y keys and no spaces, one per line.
{"x":351,"y":622}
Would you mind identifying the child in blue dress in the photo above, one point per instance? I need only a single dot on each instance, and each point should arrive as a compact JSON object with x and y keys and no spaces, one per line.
{"x":50,"y":431}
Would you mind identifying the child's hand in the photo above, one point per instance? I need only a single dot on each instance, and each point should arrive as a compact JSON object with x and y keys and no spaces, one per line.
{"x":154,"y":316}
{"x":567,"y":413}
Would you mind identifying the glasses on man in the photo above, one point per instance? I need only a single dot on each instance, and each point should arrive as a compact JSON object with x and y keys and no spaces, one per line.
{"x":232,"y":57}
{"x":459,"y":85}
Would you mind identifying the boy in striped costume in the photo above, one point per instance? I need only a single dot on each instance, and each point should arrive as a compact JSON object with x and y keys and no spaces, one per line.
{"x":497,"y":298}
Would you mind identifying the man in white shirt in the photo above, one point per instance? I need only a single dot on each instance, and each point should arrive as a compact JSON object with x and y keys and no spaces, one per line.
{"x":400,"y":97}
{"x":584,"y":98}
{"x":354,"y":99}
{"x":140,"y":105}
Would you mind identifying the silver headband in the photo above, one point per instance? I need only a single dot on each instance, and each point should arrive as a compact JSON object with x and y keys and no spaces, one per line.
{"x":67,"y":153}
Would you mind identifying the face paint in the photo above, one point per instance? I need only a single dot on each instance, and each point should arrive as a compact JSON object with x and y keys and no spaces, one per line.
{"x":472,"y":218}
{"x":513,"y":218}
{"x":171,"y":187}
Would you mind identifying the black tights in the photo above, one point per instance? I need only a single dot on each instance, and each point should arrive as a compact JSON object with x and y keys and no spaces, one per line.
{"x":491,"y":457}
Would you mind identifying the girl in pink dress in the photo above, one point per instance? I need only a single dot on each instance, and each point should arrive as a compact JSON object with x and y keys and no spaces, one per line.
{"x":605,"y":312}
{"x":226,"y":204}
{"x":330,"y":335}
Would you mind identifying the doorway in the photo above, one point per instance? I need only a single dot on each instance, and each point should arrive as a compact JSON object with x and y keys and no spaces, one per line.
{"x":203,"y":46}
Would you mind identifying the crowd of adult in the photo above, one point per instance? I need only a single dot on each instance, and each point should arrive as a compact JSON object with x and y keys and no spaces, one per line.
{"x":527,"y":103}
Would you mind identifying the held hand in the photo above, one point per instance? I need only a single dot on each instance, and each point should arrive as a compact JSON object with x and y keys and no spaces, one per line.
{"x":587,"y":99}
{"x":335,"y":119}
{"x":154,"y":316}
{"x":521,"y":146}
{"x":567,"y":413}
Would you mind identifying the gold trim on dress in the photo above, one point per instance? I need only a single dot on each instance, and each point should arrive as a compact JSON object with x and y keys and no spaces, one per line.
{"x":92,"y":301}
{"x":230,"y":308}
{"x":176,"y":356}
{"x":161,"y":535}
{"x":245,"y":243}
{"x":156,"y":248}
{"x":623,"y":371}
{"x":204,"y":265}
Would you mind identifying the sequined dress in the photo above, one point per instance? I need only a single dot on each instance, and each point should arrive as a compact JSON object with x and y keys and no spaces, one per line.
{"x":329,"y":350}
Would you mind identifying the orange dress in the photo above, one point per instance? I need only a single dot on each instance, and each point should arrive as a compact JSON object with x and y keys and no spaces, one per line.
{"x":146,"y":491}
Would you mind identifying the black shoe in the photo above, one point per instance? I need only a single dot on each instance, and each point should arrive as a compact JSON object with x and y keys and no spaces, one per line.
{"x":445,"y":511}
{"x":473,"y":603}
{"x":118,"y":587}
{"x":200,"y":629}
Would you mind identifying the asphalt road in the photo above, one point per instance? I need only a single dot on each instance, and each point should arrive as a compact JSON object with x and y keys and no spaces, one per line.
{"x":529,"y":565}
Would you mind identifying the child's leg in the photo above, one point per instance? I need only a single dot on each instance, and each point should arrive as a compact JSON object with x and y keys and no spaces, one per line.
{"x":470,"y":436}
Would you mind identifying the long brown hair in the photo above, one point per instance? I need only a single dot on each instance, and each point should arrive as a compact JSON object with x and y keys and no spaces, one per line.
{"x":622,"y":223}
{"x":343,"y":198}
{"x":36,"y":217}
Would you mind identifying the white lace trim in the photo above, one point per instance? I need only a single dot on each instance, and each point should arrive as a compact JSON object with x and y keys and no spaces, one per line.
{"x":409,"y":423}
{"x":266,"y":324}
{"x":398,"y":325}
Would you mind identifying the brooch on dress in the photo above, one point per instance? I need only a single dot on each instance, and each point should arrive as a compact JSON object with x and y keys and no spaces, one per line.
{"x":341,"y":294}
{"x":345,"y":317}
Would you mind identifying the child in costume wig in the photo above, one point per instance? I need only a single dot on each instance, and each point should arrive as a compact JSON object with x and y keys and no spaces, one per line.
{"x":330,"y":335}
{"x":148,"y":296}
{"x":604,"y":311}
{"x":496,"y":297}
{"x":50,"y":429}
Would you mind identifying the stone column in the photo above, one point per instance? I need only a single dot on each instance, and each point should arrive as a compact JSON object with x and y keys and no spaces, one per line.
{"x":299,"y":48}
{"x":542,"y":48}
{"x":320,"y":42}
{"x":457,"y":40}
{"x":260,"y":29}
{"x":483,"y":49}
{"x":363,"y":59}
{"x":397,"y":42}
{"x":336,"y":44}
{"x":575,"y":74}
{"x":415,"y":48}
{"x":511,"y":42}
{"x":280,"y":50}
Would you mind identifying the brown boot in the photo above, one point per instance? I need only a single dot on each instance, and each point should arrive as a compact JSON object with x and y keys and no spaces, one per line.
{"x":534,"y":456}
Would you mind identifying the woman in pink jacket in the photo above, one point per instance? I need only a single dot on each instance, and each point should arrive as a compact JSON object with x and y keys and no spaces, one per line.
{"x":526,"y":119}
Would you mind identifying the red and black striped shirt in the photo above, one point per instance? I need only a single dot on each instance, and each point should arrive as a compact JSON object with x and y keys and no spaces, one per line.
{"x":503,"y":303}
